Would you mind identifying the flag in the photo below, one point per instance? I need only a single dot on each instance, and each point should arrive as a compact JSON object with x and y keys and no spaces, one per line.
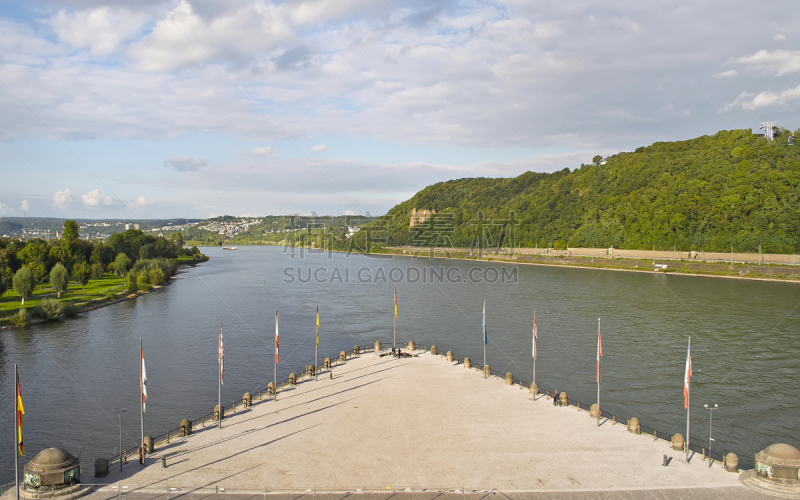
{"x":277,"y":343}
{"x":144,"y":385}
{"x":599,"y":350}
{"x":317,"y":326}
{"x":395,"y":302}
{"x":20,"y":413}
{"x":485,"y":339}
{"x":534,"y":335}
{"x":687,"y":375}
{"x":221,"y":357}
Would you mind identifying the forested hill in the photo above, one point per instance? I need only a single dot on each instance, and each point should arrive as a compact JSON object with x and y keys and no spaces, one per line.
{"x":734,"y":188}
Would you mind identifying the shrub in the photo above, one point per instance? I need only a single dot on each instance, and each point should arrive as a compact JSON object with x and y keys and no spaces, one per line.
{"x":21,"y":318}
{"x":141,"y":281}
{"x":130,"y":282}
{"x":122,"y":264}
{"x":49,"y":309}
{"x":155,"y":276}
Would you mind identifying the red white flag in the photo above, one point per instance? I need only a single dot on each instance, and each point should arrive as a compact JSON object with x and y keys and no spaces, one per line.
{"x":534,"y":334}
{"x":221,"y":357}
{"x":277,"y":339}
{"x":144,"y":385}
{"x":599,"y":350}
{"x":687,"y":376}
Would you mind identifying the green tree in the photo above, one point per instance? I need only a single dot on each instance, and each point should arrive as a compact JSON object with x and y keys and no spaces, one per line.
{"x":177,"y":239}
{"x":3,"y":280}
{"x":97,"y":270}
{"x":59,"y":278}
{"x":122,"y":264}
{"x":597,"y":159}
{"x":24,"y":282}
{"x":70,"y":237}
{"x":81,"y":273}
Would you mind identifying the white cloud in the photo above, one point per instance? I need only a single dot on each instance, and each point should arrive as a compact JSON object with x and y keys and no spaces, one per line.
{"x":102,"y":30}
{"x":25,"y":206}
{"x":779,"y":37}
{"x":185,"y":163}
{"x":349,"y":212}
{"x":262,"y":151}
{"x":62,"y":199}
{"x":726,"y":74}
{"x":767,"y":98}
{"x":320,"y":148}
{"x":141,"y":201}
{"x":93,"y":199}
{"x":779,"y":62}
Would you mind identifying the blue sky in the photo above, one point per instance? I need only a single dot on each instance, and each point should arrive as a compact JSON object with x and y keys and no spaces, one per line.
{"x":201,"y":108}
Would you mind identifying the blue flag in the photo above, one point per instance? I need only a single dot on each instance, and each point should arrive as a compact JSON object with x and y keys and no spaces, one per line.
{"x":485,"y":339}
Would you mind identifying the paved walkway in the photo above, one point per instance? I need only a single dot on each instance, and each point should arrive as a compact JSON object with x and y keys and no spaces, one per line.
{"x":417,"y":423}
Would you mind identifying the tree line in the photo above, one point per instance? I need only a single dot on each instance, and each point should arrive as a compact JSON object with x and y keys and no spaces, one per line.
{"x":143,"y":260}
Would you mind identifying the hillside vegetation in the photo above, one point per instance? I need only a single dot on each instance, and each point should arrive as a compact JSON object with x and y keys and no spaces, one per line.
{"x":732,"y":189}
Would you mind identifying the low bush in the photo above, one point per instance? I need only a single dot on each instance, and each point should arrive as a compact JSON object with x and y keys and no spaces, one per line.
{"x":21,"y":318}
{"x":49,"y":309}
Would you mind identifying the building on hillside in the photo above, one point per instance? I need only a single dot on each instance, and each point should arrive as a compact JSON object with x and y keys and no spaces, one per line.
{"x":419,"y":216}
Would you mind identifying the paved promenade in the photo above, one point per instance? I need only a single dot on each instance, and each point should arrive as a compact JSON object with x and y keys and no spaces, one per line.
{"x":424,"y":424}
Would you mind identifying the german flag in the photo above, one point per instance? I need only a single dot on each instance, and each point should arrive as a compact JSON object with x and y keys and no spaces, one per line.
{"x":20,"y":413}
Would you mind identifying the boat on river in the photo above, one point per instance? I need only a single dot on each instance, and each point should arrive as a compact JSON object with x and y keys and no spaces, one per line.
{"x":230,"y":248}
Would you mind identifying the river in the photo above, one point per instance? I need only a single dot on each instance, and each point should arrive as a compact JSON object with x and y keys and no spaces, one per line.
{"x":745,"y":343}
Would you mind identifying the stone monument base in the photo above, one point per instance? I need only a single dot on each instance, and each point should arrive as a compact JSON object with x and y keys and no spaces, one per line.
{"x":753,"y":481}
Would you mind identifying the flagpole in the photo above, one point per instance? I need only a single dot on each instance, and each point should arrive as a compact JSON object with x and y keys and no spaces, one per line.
{"x":16,"y":430}
{"x":394,"y":332}
{"x":534,"y":353}
{"x":219,"y":384}
{"x":141,"y":398}
{"x":598,"y":372}
{"x":316,"y":348}
{"x":688,"y":397}
{"x":275,"y":365}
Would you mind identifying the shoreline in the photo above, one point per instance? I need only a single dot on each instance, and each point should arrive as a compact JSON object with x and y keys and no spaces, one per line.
{"x":101,"y":303}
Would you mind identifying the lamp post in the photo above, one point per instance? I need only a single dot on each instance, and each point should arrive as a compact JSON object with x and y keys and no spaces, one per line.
{"x":119,"y":414}
{"x":710,"y":439}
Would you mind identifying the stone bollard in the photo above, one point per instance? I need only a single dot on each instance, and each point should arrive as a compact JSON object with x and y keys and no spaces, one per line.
{"x":149,"y":444}
{"x":449,"y":355}
{"x":433,"y":350}
{"x":678,"y":443}
{"x":412,"y":346}
{"x":327,"y":363}
{"x":186,"y":427}
{"x":100,"y":467}
{"x":535,"y":389}
{"x":633,"y":426}
{"x":563,"y":399}
{"x":377,"y":347}
{"x":270,"y":389}
{"x":312,"y":370}
{"x":356,"y":350}
{"x":292,"y":379}
{"x":593,"y":411}
{"x":247,"y":400}
{"x":342,"y":356}
{"x":509,"y":379}
{"x":217,"y":415}
{"x":487,"y":371}
{"x":732,"y":462}
{"x":467,"y":363}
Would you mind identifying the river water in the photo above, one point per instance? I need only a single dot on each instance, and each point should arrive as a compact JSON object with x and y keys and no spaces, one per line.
{"x":745,"y":343}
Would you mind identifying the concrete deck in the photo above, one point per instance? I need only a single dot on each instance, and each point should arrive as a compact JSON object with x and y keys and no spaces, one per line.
{"x":425,"y":423}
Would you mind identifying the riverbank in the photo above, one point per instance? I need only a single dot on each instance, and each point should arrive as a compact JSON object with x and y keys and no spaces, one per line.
{"x":106,"y":291}
{"x":735,"y":270}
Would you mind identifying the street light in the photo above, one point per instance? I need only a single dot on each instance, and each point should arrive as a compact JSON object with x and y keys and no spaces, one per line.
{"x":710,"y":439}
{"x":119,"y":414}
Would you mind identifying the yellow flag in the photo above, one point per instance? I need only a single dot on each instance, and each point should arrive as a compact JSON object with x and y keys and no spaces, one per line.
{"x":317,"y":325}
{"x":395,"y":302}
{"x":20,"y":413}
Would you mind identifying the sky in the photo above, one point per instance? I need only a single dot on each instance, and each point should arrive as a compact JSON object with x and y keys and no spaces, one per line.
{"x":200,"y":108}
